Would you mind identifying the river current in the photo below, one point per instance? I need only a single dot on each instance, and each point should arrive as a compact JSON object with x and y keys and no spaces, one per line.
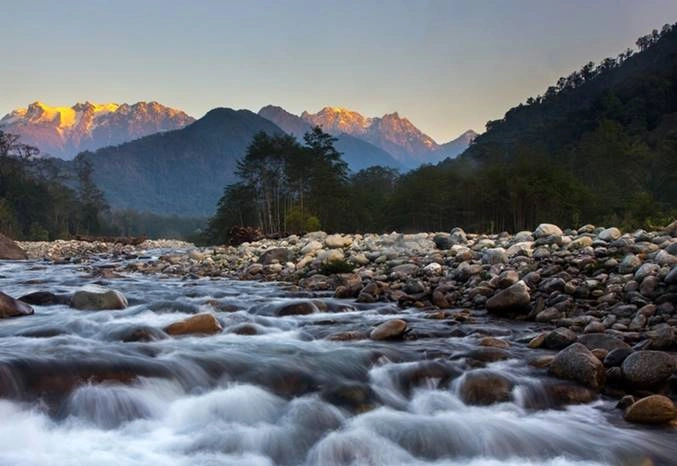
{"x":77,"y":389}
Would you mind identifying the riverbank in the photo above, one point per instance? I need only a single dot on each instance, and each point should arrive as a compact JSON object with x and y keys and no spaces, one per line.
{"x":603,"y":299}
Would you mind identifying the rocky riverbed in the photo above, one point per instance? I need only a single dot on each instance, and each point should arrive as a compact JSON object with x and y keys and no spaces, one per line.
{"x":592,"y":308}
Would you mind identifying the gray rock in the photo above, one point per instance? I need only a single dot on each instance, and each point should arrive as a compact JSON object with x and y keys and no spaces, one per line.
{"x":645,"y":270}
{"x":493,"y":256}
{"x":281,"y":255}
{"x":609,"y":234}
{"x":515,"y":298}
{"x":647,"y":369}
{"x":603,"y":341}
{"x":10,"y":307}
{"x":671,"y":278}
{"x":662,"y":337}
{"x":95,"y":298}
{"x":405,"y":269}
{"x":615,"y":357}
{"x":458,"y":236}
{"x":547,"y":229}
{"x":594,"y":327}
{"x":629,"y":264}
{"x":577,"y":363}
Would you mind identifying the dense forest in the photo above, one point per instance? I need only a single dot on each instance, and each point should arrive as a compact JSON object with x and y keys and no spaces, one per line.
{"x":39,"y":200}
{"x":600,"y":146}
{"x":35,"y":203}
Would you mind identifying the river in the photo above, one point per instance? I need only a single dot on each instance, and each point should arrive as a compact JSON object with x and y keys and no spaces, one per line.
{"x":77,"y":390}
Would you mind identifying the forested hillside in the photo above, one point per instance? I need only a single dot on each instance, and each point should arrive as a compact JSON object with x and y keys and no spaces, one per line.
{"x":179,"y":172}
{"x":598,"y":146}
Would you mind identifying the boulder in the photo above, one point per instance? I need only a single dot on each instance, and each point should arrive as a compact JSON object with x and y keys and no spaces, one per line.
{"x":297,"y":308}
{"x":609,"y":234}
{"x":338,"y":241}
{"x":615,"y":357}
{"x":647,"y":369}
{"x":311,"y":247}
{"x":515,"y":298}
{"x":45,"y":298}
{"x":494,"y":256}
{"x":654,"y":409}
{"x":484,"y":388}
{"x":547,"y":229}
{"x":577,"y":363}
{"x":602,"y":340}
{"x":629,"y":264}
{"x":203,"y":324}
{"x":10,"y":307}
{"x":95,"y":298}
{"x":281,"y":255}
{"x":389,"y":330}
{"x":9,"y":250}
{"x":559,"y":338}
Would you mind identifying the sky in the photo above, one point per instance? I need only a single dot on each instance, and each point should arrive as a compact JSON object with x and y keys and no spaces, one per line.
{"x":448,"y":66}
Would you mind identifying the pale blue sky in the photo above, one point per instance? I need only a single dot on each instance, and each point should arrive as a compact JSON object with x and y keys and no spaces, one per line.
{"x":446,"y":65}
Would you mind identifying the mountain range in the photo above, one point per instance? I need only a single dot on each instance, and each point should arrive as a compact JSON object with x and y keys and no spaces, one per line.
{"x":390,"y":140}
{"x":407,"y":144}
{"x":63,"y":132}
{"x":149,"y":157}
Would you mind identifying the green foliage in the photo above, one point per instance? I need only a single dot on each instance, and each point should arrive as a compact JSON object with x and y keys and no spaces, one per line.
{"x":313,"y":224}
{"x":33,"y":203}
{"x":284,"y":185}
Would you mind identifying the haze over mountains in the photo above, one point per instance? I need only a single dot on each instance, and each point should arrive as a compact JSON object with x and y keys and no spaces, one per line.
{"x":64,"y":132}
{"x":396,"y":135}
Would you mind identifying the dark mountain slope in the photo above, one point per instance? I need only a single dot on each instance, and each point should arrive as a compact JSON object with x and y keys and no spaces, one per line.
{"x":179,"y":172}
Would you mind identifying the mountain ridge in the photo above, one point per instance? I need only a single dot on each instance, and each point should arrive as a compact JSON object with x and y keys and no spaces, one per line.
{"x":63,"y":132}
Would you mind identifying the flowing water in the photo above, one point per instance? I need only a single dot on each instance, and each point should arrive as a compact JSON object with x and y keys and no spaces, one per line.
{"x":78,"y":388}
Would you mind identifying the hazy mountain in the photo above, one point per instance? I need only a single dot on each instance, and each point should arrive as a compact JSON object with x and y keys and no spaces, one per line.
{"x":392,"y":133}
{"x":456,"y":146}
{"x":397,"y":136}
{"x":65,"y":131}
{"x":179,"y":172}
{"x":359,"y":154}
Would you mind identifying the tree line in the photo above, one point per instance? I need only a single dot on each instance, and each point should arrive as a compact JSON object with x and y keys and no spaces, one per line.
{"x":37,"y":203}
{"x":40,"y":200}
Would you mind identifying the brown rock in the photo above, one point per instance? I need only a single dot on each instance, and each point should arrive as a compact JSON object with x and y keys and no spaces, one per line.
{"x":654,"y":409}
{"x":9,"y":250}
{"x":389,"y":330}
{"x":537,"y":341}
{"x":485,"y":388}
{"x":10,"y":307}
{"x":205,"y":324}
{"x":494,"y":342}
